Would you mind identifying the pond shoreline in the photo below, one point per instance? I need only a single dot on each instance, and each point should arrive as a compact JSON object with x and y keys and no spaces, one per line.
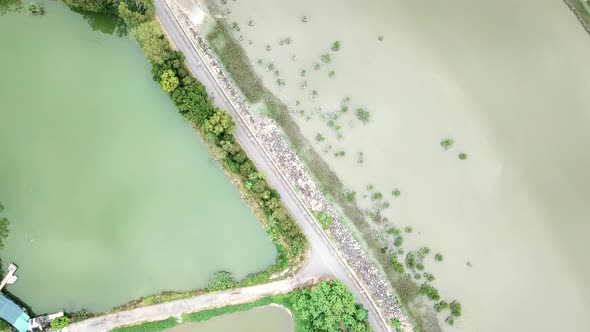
{"x":581,"y":13}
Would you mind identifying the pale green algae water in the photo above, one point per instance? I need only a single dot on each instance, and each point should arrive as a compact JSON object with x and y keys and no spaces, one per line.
{"x":265,"y":319}
{"x":111,"y":194}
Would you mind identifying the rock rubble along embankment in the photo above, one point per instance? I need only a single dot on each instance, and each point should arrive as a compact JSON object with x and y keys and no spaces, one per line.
{"x":270,"y":136}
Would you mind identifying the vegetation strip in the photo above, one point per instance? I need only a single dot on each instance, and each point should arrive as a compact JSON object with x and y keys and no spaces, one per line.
{"x":329,"y":306}
{"x":236,"y":62}
{"x":580,"y":8}
{"x":373,"y":283}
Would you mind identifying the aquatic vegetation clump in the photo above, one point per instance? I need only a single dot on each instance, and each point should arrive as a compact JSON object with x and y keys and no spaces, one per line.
{"x":397,"y":266}
{"x":428,"y":276}
{"x":335,"y":47}
{"x":360,"y":158}
{"x":442,"y":305}
{"x":314,"y":94}
{"x":376,"y":196}
{"x":350,"y":196}
{"x":284,"y":41}
{"x":221,"y":281}
{"x":447,"y":143}
{"x":429,"y":291}
{"x":363,"y":115}
{"x":36,"y":9}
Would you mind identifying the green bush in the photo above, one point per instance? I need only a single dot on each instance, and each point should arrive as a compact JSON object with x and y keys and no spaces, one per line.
{"x":168,"y":81}
{"x":411,"y":260}
{"x":324,"y":219}
{"x":328,"y":307}
{"x":221,"y":281}
{"x":60,"y":322}
{"x":397,"y":266}
{"x":36,"y":9}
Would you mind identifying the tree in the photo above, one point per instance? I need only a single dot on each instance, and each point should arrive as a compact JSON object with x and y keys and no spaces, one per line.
{"x":140,"y":13}
{"x":9,"y":6}
{"x":60,"y":323}
{"x":330,"y":307}
{"x":219,"y":123}
{"x":152,"y":41}
{"x":168,"y":81}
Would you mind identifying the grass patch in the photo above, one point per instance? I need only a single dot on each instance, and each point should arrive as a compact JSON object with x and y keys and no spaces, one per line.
{"x":148,"y":326}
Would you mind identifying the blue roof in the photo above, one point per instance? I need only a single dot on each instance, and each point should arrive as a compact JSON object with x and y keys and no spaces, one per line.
{"x":13,"y":314}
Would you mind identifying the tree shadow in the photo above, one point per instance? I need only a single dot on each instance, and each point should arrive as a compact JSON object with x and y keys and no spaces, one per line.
{"x":105,"y":23}
{"x":10,"y":6}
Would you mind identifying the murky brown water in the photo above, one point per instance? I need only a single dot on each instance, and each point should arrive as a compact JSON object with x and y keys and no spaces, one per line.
{"x":507,"y":81}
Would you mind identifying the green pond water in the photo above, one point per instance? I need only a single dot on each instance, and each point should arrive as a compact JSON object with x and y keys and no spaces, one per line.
{"x":111,"y":194}
{"x":265,"y":319}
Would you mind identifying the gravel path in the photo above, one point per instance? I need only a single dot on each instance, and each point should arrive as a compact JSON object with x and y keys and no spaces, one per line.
{"x":177,"y":308}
